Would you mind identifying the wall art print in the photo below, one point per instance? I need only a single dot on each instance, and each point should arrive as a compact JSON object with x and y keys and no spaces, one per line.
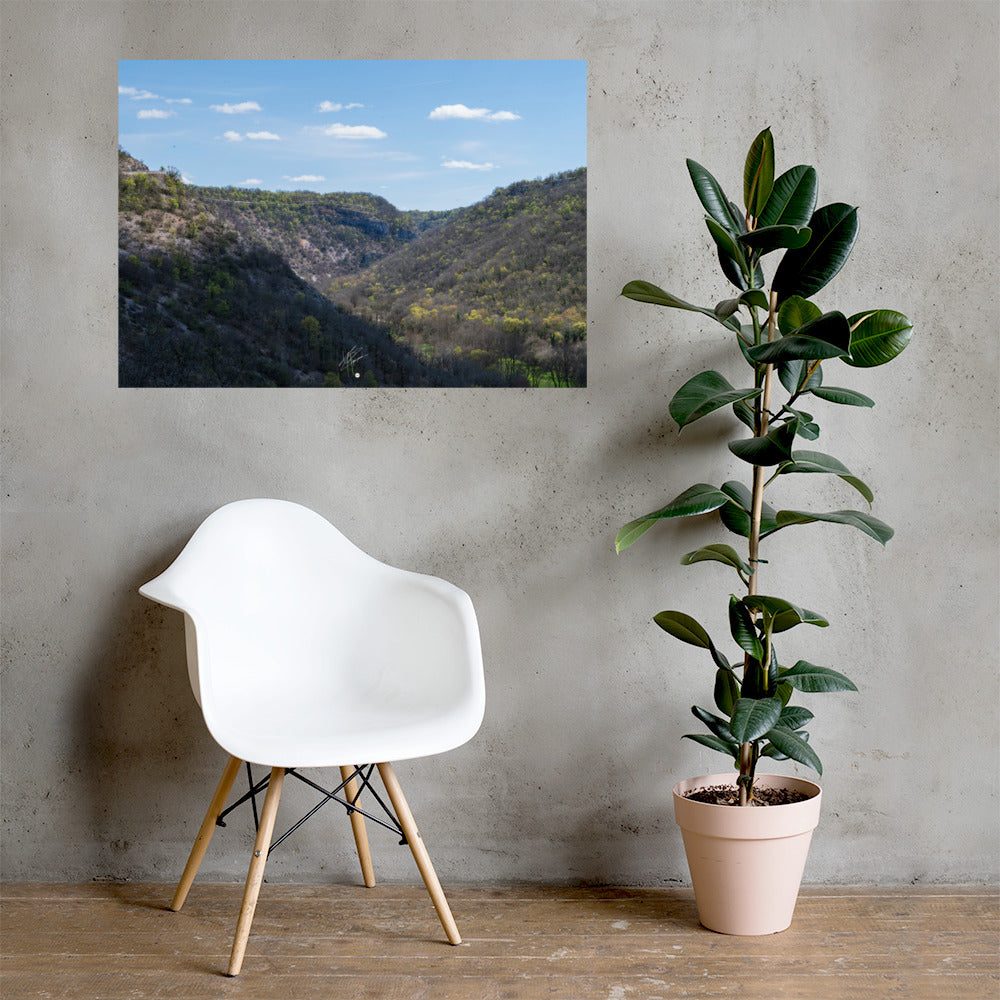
{"x":350,"y":224}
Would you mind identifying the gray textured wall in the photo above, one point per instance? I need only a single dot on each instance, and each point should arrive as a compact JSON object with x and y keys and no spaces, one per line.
{"x":516,"y":495}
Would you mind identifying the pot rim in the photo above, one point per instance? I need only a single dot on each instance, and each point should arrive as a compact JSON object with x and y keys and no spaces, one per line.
{"x":810,"y":788}
{"x":765,"y":823}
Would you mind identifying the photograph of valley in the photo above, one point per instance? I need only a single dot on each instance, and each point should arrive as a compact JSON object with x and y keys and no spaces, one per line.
{"x":352,"y":224}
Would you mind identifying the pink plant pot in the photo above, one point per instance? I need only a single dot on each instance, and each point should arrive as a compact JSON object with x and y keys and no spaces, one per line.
{"x":746,"y":863}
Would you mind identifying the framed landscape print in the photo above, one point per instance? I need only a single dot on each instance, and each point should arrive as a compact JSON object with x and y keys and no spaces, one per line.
{"x":350,"y":224}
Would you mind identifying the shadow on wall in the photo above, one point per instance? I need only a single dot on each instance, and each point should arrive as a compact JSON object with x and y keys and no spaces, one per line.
{"x":145,"y":744}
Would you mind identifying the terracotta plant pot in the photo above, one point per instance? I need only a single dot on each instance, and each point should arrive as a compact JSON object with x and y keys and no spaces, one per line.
{"x":746,"y":862}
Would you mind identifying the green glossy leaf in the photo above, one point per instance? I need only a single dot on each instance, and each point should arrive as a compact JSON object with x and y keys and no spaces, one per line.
{"x":731,"y":749}
{"x":794,"y":746}
{"x":806,"y":270}
{"x":793,"y":375}
{"x":720,"y":727}
{"x":736,"y":515}
{"x":646,"y":291}
{"x":728,"y":245}
{"x":713,"y":198}
{"x":727,"y":691}
{"x":698,"y":499}
{"x":753,"y":717}
{"x":744,"y":414}
{"x":773,"y":607}
{"x":754,"y":297}
{"x":758,"y":173}
{"x":872,"y":526}
{"x":794,"y":717}
{"x":878,"y":337}
{"x":718,"y":553}
{"x":683,"y":627}
{"x":828,"y":336}
{"x":846,"y":397}
{"x":772,"y":448}
{"x":770,"y":238}
{"x":795,"y":312}
{"x":814,"y":680}
{"x":816,"y":461}
{"x":704,"y":393}
{"x":724,"y":309}
{"x":743,"y":630}
{"x":793,"y":198}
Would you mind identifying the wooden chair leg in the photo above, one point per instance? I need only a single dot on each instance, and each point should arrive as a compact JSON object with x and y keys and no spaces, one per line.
{"x":358,"y":826}
{"x":256,"y":873}
{"x":204,"y":837}
{"x":420,"y":854}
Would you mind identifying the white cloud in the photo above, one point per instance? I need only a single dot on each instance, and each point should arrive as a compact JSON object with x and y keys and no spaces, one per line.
{"x":466,"y":165}
{"x":250,"y":182}
{"x":340,"y":131}
{"x":445,"y":111}
{"x":337,"y":106}
{"x":306,"y":178}
{"x":236,"y":109}
{"x":267,"y":136}
{"x":137,"y":95}
{"x":178,"y":100}
{"x":156,"y":113}
{"x":232,"y":136}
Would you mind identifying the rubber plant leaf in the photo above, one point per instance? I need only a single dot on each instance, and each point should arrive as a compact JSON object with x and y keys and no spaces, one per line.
{"x":794,"y":717}
{"x":732,"y":748}
{"x":728,"y":245}
{"x":793,"y":198}
{"x":683,"y":627}
{"x":753,"y":717}
{"x":646,"y":291}
{"x":816,"y":461}
{"x":770,"y":238}
{"x":727,"y":691}
{"x":794,"y":746}
{"x":704,"y":393}
{"x":794,"y":378}
{"x":827,"y":336}
{"x":720,"y":727}
{"x":736,"y":515}
{"x":846,"y":397}
{"x":806,"y":270}
{"x":773,"y":607}
{"x":698,"y":499}
{"x":758,"y":173}
{"x":815,"y":680}
{"x":878,"y":337}
{"x":795,"y":312}
{"x":718,"y":553}
{"x":714,"y":199}
{"x":772,"y":448}
{"x":743,"y":630}
{"x":872,"y":526}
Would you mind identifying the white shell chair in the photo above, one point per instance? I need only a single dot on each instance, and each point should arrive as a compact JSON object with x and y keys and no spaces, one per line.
{"x":303,"y":651}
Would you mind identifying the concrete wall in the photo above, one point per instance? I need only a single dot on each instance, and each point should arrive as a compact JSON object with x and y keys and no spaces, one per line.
{"x":516,"y":495}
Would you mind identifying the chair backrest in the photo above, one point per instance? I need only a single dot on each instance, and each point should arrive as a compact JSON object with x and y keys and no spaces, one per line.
{"x":273,"y":594}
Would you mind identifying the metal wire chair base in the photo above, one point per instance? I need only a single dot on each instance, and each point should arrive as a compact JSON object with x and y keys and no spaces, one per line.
{"x":362,"y":774}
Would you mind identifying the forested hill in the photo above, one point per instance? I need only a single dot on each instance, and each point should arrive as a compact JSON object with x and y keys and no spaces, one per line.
{"x":225,"y":286}
{"x":322,"y":236}
{"x":201,"y":303}
{"x":509,"y":269}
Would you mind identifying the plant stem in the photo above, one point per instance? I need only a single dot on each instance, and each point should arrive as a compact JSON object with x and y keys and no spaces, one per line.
{"x":756,"y":507}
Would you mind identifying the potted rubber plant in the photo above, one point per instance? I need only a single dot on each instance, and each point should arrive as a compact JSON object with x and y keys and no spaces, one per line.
{"x":788,"y":342}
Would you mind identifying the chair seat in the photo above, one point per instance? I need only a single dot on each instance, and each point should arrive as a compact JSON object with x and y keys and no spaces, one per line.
{"x":304,"y":730}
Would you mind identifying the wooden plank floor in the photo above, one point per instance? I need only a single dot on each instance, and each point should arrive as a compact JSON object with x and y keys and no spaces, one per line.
{"x":105,"y":941}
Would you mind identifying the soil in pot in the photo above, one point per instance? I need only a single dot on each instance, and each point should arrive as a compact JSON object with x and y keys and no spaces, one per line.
{"x":729,"y":795}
